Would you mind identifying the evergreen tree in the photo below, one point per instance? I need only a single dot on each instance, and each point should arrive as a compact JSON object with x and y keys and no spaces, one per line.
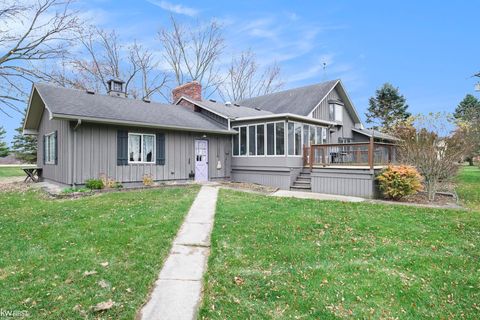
{"x":25,"y":147}
{"x":4,"y":151}
{"x":468,"y":109}
{"x":387,"y":108}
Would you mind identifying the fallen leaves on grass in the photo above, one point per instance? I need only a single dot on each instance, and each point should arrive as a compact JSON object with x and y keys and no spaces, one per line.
{"x":238,"y":281}
{"x":104,"y":264}
{"x":104,"y":284}
{"x":89,"y":273}
{"x":102,"y":306}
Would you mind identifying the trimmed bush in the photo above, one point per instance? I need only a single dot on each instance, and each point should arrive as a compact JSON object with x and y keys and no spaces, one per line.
{"x":396,"y":182}
{"x":94,"y":184}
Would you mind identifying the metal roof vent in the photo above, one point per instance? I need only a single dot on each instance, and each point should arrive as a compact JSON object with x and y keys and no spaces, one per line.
{"x":228,"y":104}
{"x":146,"y":100}
{"x":258,"y":109}
{"x":90,"y":91}
{"x":236,"y":105}
{"x":212,"y":100}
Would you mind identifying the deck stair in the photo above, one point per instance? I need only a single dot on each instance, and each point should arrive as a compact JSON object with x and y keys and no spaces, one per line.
{"x":303,"y":181}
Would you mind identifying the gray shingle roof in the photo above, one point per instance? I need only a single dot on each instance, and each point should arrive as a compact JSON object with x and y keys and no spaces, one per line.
{"x":71,"y":102}
{"x":376,"y":134}
{"x":233,"y":111}
{"x":299,"y":101}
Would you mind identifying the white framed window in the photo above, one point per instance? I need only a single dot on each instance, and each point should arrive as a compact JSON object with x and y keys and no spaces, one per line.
{"x":295,"y":147}
{"x":141,"y":148}
{"x":49,"y":148}
{"x":265,"y":139}
{"x":335,"y":112}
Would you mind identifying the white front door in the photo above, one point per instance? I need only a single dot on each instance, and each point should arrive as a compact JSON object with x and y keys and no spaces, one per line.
{"x":201,"y":160}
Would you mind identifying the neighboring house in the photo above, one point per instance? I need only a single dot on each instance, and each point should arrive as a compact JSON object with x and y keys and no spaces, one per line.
{"x":84,"y":135}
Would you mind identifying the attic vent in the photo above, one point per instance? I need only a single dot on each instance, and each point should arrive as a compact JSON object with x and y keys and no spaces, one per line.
{"x":228,"y":104}
{"x":236,"y":105}
{"x":258,"y":109}
{"x":146,"y":100}
{"x":90,"y":91}
{"x":212,"y":100}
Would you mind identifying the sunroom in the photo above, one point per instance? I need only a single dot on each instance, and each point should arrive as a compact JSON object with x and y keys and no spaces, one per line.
{"x":282,"y":138}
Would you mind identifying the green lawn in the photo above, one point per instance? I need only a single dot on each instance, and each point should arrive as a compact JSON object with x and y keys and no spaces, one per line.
{"x":6,"y":172}
{"x":468,"y":188}
{"x":305,"y":259}
{"x":47,"y":245}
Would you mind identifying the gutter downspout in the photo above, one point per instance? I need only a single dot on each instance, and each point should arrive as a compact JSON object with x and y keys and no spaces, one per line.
{"x":74,"y":153}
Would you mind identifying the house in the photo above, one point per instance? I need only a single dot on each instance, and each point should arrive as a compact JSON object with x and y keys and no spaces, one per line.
{"x":267,"y":140}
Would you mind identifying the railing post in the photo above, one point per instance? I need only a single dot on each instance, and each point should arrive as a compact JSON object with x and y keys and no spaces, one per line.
{"x":324,"y":162}
{"x":311,"y":157}
{"x":371,"y":149}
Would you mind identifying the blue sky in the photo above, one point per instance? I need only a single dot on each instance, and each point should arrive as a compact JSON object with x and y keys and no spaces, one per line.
{"x":429,"y":49}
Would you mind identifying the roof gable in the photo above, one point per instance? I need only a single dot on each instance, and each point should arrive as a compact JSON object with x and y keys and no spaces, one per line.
{"x":299,"y":101}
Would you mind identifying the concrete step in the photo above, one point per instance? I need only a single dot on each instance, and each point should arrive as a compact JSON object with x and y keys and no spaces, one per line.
{"x":301,"y":188}
{"x":302,"y":182}
{"x":304,"y":175}
{"x":304,"y":178}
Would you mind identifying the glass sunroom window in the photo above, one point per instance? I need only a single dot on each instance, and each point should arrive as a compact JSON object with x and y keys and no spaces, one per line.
{"x":291,"y":139}
{"x":270,"y":139}
{"x":243,"y":141}
{"x":279,"y":138}
{"x":260,"y":140}
{"x":252,"y":141}
{"x":235,"y":142}
{"x":298,"y":139}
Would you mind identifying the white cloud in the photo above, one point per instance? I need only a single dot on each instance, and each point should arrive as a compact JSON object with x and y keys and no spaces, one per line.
{"x":175,"y":8}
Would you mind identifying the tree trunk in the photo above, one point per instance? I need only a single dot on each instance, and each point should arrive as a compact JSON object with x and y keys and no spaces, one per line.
{"x":470,"y":161}
{"x":431,"y":187}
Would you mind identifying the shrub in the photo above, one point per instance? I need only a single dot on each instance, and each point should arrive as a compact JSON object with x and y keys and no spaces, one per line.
{"x":94,"y":184}
{"x":147,"y":180}
{"x":108,"y":182}
{"x":396,"y":182}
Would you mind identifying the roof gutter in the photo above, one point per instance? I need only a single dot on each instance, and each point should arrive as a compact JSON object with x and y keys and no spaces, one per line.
{"x":288,"y":116}
{"x":139,"y":124}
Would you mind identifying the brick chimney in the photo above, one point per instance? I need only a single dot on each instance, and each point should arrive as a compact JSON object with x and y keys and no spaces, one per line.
{"x":192,"y":90}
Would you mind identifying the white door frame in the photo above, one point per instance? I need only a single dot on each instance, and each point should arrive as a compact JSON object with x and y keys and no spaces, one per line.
{"x":204,"y":175}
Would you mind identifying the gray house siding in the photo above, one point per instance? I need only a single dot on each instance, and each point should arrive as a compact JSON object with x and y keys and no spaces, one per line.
{"x":97,"y":154}
{"x":344,"y":181}
{"x":322,"y":112}
{"x":61,"y":171}
{"x":274,"y":171}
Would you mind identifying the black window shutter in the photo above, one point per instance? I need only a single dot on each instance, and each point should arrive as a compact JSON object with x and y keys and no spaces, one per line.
{"x":160,"y":149}
{"x":56,"y":147}
{"x":122,"y":148}
{"x":44,"y":148}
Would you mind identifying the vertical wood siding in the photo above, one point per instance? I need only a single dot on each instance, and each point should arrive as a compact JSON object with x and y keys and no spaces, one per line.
{"x":322,"y":112}
{"x":97,"y":155}
{"x":61,"y":172}
{"x":348,"y":182}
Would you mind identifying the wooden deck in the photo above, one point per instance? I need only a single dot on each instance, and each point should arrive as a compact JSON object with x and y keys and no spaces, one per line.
{"x":356,"y":155}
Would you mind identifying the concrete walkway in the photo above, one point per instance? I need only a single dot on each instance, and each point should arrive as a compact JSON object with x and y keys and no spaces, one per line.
{"x":315,"y":196}
{"x":178,"y":290}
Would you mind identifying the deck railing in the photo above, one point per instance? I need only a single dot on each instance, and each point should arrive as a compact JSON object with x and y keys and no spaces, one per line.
{"x":369,"y":154}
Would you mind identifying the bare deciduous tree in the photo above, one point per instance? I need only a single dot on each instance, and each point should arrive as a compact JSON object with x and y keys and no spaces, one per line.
{"x":30,"y":33}
{"x":151,"y":80}
{"x":104,"y":56}
{"x":429,"y":144}
{"x":245,"y":79}
{"x":193,"y":53}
